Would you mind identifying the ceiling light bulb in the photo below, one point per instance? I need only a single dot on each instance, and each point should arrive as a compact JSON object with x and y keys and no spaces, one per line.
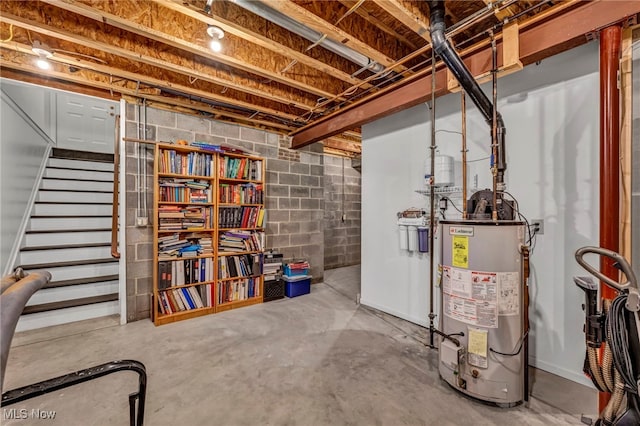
{"x":215,"y":32}
{"x":41,"y":49}
{"x":215,"y":45}
{"x":43,"y":64}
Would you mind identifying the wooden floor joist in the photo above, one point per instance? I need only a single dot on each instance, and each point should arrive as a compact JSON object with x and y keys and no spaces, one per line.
{"x":536,"y":42}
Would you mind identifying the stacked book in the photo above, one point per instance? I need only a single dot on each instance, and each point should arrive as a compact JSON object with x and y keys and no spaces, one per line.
{"x":241,"y":241}
{"x":169,"y":246}
{"x":184,"y":191}
{"x":272,"y":267}
{"x":299,"y":268}
{"x":177,"y":218}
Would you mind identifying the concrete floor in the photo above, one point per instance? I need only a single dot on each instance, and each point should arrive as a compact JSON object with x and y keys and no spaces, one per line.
{"x":318,"y":359}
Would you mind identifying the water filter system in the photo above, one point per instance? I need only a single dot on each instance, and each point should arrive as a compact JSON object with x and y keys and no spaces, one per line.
{"x":413,"y":233}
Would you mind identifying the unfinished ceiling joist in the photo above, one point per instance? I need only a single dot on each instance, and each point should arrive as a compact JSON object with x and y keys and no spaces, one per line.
{"x":409,"y":16}
{"x":313,"y":21}
{"x":536,"y":43}
{"x":141,"y":78}
{"x":174,"y":41}
{"x":113,"y":49}
{"x":258,"y":39}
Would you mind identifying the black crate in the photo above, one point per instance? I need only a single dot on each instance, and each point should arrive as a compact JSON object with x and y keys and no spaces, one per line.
{"x":273,"y":290}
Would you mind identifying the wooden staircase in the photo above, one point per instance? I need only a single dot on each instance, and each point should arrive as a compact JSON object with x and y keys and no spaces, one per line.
{"x":69,"y":235}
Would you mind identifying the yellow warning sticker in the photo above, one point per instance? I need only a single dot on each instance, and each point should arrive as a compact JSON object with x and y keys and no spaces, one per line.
{"x":460,"y":256}
{"x":478,"y":342}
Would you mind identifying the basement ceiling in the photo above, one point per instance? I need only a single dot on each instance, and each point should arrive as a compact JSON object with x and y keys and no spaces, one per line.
{"x":267,"y":74}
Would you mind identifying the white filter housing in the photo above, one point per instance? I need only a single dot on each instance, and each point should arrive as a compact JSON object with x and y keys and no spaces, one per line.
{"x":444,"y":170}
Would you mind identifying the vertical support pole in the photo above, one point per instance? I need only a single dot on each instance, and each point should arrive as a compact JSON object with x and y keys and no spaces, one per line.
{"x":463,"y":108}
{"x":432,"y":200}
{"x":609,"y":158}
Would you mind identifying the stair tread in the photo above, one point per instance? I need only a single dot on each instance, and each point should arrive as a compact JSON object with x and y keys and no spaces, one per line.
{"x":62,"y":231}
{"x":76,"y":179}
{"x":81,"y":170}
{"x":81,"y":281}
{"x":69,"y":263}
{"x":74,"y":202}
{"x":67,"y":216}
{"x":65,"y":246}
{"x":73,"y":154}
{"x":69,"y":303}
{"x":75,"y":190}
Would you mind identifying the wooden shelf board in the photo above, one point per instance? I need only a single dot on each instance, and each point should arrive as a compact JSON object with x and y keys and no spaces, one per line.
{"x":239,"y":278}
{"x":180,"y":203}
{"x":238,"y":304}
{"x":164,"y":231}
{"x":241,"y":229}
{"x":174,"y":287}
{"x":239,"y":155}
{"x":226,"y":179}
{"x":179,"y":316}
{"x":174,"y":259}
{"x":183,"y":176}
{"x":236,"y":253}
{"x":237,"y":205}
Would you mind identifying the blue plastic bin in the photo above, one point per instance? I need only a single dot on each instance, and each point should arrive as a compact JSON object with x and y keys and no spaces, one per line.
{"x":297,"y":286}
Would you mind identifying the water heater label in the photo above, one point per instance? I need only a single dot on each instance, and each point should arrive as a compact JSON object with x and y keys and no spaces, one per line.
{"x":461,"y":230}
{"x":470,"y":296}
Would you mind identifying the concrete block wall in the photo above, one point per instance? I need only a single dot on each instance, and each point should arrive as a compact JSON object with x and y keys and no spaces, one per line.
{"x":294,"y":194}
{"x":342,"y":212}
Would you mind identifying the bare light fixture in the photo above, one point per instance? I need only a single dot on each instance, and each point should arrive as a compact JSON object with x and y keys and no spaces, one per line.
{"x":44,"y":53}
{"x":216,"y":35}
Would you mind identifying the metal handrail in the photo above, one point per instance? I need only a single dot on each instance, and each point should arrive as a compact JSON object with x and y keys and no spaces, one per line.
{"x":136,"y":417}
{"x":114,"y":212}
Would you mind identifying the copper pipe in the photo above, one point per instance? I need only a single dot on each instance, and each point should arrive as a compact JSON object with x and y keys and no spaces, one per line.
{"x":494,"y":128}
{"x":610,"y":38}
{"x":116,"y":170}
{"x":463,"y":108}
{"x":432,"y":201}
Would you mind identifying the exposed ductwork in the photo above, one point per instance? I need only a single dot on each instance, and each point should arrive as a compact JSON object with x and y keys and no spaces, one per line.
{"x":451,"y":59}
{"x":261,"y":9}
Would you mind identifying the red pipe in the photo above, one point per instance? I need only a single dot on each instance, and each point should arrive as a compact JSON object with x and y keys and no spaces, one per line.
{"x":609,"y":158}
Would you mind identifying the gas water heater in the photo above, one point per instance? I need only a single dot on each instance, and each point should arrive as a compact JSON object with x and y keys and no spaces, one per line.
{"x":483,"y":309}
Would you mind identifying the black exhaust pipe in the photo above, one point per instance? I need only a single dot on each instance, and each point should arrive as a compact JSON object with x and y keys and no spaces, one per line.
{"x":451,"y":59}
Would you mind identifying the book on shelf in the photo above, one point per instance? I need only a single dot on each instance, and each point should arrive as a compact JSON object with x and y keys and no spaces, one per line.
{"x":186,"y":163}
{"x":240,"y":217}
{"x":240,"y":168}
{"x":237,"y":290}
{"x":171,"y":218}
{"x":239,"y":265}
{"x":241,"y":240}
{"x":176,"y":300}
{"x":245,"y":193}
{"x":184,"y":271}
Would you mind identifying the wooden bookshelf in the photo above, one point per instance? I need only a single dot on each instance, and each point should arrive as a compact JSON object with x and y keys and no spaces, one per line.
{"x":216,"y":199}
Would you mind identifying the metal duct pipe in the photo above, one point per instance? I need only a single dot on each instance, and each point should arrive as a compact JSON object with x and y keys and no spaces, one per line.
{"x":314,"y":36}
{"x":451,"y":59}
